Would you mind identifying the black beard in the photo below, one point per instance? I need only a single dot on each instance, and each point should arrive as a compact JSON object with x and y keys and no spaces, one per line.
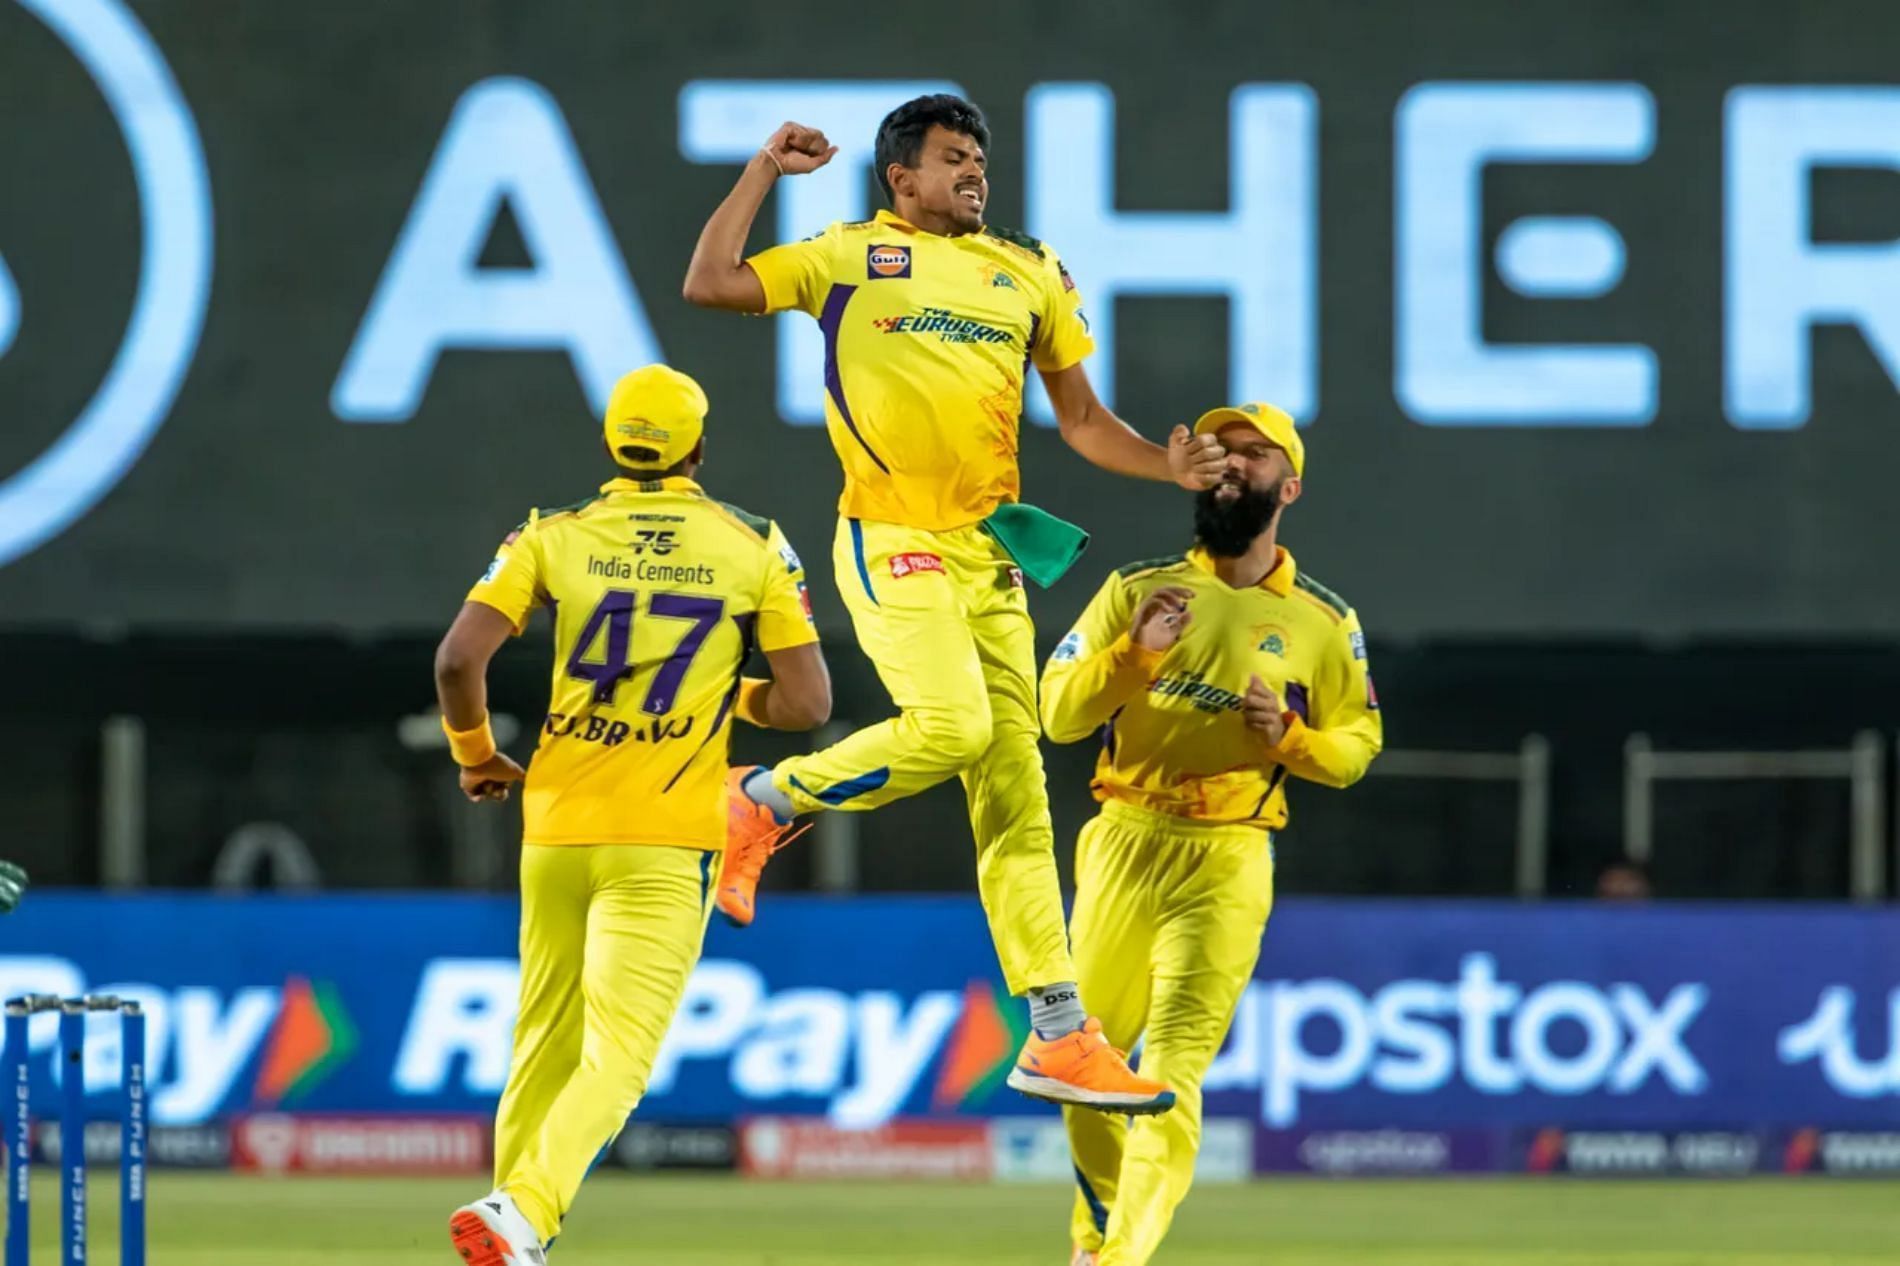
{"x":1227,"y":529}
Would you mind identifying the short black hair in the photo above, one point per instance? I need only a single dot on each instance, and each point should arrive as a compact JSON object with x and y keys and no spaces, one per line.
{"x":900,"y":137}
{"x":644,"y":472}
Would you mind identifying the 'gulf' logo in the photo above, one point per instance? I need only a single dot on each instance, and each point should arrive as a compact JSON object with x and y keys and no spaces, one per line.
{"x":889,"y":261}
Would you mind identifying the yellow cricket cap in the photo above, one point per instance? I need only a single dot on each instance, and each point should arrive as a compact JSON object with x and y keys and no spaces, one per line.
{"x":1269,"y":419}
{"x":656,"y":408}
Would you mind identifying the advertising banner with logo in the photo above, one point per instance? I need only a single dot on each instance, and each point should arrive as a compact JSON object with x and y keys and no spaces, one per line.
{"x":1375,"y":1036}
{"x":1037,"y":1150}
{"x":294,"y":325}
{"x":1383,"y":1152}
{"x":779,"y":1147}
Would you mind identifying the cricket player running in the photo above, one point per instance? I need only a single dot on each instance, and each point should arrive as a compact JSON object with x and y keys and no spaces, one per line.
{"x":1211,"y":676}
{"x":931,"y":320}
{"x":658,"y":594}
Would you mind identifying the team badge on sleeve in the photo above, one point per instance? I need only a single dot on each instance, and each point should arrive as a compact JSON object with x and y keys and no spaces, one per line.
{"x":501,"y":556}
{"x":1357,"y":641}
{"x":790,"y":556}
{"x":1070,"y":647}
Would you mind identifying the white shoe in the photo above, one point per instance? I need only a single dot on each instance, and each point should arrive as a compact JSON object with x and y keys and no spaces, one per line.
{"x":493,"y":1232}
{"x":1083,"y":1257}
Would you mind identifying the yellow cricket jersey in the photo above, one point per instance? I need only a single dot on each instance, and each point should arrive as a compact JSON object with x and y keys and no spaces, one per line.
{"x":659,"y":593}
{"x":927,"y":343}
{"x":1173,"y":739}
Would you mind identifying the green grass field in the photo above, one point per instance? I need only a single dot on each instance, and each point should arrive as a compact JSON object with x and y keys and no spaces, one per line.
{"x":225,"y":1220}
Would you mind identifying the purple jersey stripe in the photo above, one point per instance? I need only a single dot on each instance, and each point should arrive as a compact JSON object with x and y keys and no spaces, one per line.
{"x":828,"y":321}
{"x":1274,"y":780}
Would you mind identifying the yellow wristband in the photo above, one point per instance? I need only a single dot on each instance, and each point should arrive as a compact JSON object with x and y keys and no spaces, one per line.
{"x":751,"y":706}
{"x":470,"y":747}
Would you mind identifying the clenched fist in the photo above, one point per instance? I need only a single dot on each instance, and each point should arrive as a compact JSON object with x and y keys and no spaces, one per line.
{"x":489,"y":780}
{"x":1195,"y":461}
{"x":1260,"y":709}
{"x":796,"y":149}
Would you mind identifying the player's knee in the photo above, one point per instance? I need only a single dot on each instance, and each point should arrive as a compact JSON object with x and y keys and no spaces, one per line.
{"x":959,"y":736}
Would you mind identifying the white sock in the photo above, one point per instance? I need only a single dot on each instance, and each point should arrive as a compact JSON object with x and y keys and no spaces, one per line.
{"x":1056,"y":1009}
{"x":758,"y":785}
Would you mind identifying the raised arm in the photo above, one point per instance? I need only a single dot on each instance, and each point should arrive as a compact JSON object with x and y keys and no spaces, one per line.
{"x":1091,"y":428}
{"x":1108,"y":657}
{"x":718,"y":276}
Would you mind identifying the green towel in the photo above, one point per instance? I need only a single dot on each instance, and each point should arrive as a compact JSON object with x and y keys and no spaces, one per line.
{"x":1043,"y":546}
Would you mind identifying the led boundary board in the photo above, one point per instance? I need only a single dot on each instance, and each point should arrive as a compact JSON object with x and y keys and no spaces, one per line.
{"x":1362,"y":1015}
{"x":1523,"y":315}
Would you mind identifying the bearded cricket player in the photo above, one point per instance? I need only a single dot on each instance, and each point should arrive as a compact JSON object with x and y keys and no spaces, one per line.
{"x":1213,"y":678}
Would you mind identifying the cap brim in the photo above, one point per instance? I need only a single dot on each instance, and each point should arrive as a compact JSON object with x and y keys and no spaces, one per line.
{"x":1214,"y":419}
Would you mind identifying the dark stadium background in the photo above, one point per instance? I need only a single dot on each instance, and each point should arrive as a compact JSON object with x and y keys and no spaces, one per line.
{"x":1662,"y":622}
{"x":264,"y":587}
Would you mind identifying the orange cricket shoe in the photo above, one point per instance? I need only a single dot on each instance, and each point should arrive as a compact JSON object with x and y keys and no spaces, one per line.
{"x":494,"y":1232}
{"x":1083,"y":1069}
{"x":753,"y":834}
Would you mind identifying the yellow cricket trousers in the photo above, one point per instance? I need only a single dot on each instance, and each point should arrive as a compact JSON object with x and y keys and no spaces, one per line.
{"x":609,"y":935}
{"x":944,"y":618}
{"x":1168,"y":919}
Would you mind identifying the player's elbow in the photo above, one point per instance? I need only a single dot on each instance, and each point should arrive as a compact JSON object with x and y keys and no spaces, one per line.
{"x":1075,"y":425}
{"x":706,"y":288}
{"x":807,"y":708}
{"x":703,"y":286}
{"x":1062,"y":728}
{"x":1355,"y":770}
{"x":699,"y":291}
{"x":455,"y":665}
{"x":801,"y":688}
